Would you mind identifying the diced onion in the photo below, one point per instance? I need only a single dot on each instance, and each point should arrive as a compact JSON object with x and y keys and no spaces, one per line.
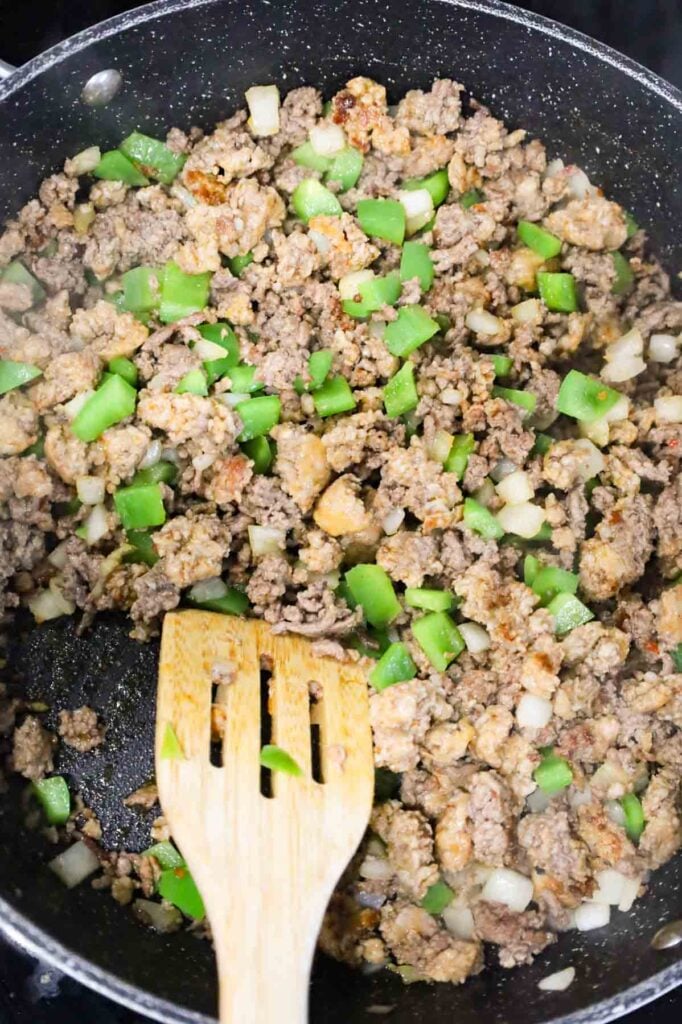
{"x":376,"y":869}
{"x":615,"y":811}
{"x":668,"y":409}
{"x":202,"y":462}
{"x":207,"y":350}
{"x":208,"y":590}
{"x":475,"y":637}
{"x":418,"y":206}
{"x":327,"y":139}
{"x":485,"y":493}
{"x":232,"y":398}
{"x":90,"y":489}
{"x":459,"y":921}
{"x":533,"y":712}
{"x":451,"y":396}
{"x":482,"y":322}
{"x":322,"y":242}
{"x":589,"y":916}
{"x":630,"y":344}
{"x":610,"y":779}
{"x":592,"y":463}
{"x":559,"y":981}
{"x":516,"y":488}
{"x":265,"y":540}
{"x":630,"y":893}
{"x":624,"y":357}
{"x":579,"y":797}
{"x":49,"y":604}
{"x":58,"y":556}
{"x":151,"y":456}
{"x":597,"y":432}
{"x":623,"y":369}
{"x":349,"y":283}
{"x":74,"y":865}
{"x":85,"y":161}
{"x":439,"y":447}
{"x":662,"y":348}
{"x":73,"y":407}
{"x":263,"y":104}
{"x":501,"y":469}
{"x":610,"y":886}
{"x":392,"y":521}
{"x":523,"y":520}
{"x":510,"y":888}
{"x":554,"y":167}
{"x":159,"y":916}
{"x":527,"y":312}
{"x":537,"y":801}
{"x":620,"y":411}
{"x":579,"y":184}
{"x":96,"y":525}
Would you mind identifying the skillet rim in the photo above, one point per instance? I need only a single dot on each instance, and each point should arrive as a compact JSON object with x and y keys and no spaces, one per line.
{"x":17,"y":927}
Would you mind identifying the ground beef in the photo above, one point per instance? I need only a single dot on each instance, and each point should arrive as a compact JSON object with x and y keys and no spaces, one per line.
{"x":620,"y":549}
{"x":80,"y":729}
{"x":519,"y":936}
{"x":33,"y":749}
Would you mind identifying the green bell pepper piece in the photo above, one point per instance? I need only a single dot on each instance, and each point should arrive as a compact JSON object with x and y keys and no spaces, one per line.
{"x":143,"y":548}
{"x":305,"y":156}
{"x":243,"y":377}
{"x":181,"y":293}
{"x":558,"y":291}
{"x":15,"y":375}
{"x":234,"y":602}
{"x":458,"y":457}
{"x":382,"y":218}
{"x":115,"y":166}
{"x":439,"y":638}
{"x":16,"y":273}
{"x":430,"y":600}
{"x":550,"y":581}
{"x":238,"y":264}
{"x":437,"y":184}
{"x":481,"y":520}
{"x":525,"y":399}
{"x":334,"y":397}
{"x":501,"y":364}
{"x":585,"y":398}
{"x":140,"y":506}
{"x":112,"y":402}
{"x":400,"y":393}
{"x":258,"y":416}
{"x":568,"y":613}
{"x":53,"y":794}
{"x":141,"y":289}
{"x":634,"y":815}
{"x":165,"y":855}
{"x":153,"y":157}
{"x":124,"y":368}
{"x":553,"y":774}
{"x":310,"y":199}
{"x":160,"y":473}
{"x":540,"y":241}
{"x":412,"y":328}
{"x":438,"y":897}
{"x":259,"y":450}
{"x":371,"y":587}
{"x":394,"y":666}
{"x":345,"y":168}
{"x":193,"y":383}
{"x":416,"y":262}
{"x":178,"y":887}
{"x":624,"y":274}
{"x":279,"y":760}
{"x":374,"y":294}
{"x":470,"y":198}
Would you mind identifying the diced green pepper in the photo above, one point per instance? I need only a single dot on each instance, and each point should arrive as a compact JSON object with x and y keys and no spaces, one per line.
{"x":141,"y":289}
{"x":634,"y":815}
{"x":244,"y":380}
{"x":501,"y":364}
{"x":305,"y":156}
{"x":334,"y":397}
{"x":416,"y":262}
{"x":178,"y":887}
{"x":232,"y":602}
{"x":278,"y":760}
{"x":124,"y":368}
{"x":238,"y":264}
{"x":181,"y":293}
{"x":310,"y":199}
{"x":319,"y":365}
{"x":374,"y":294}
{"x":481,"y":520}
{"x":540,"y":241}
{"x":115,"y":166}
{"x":259,"y":450}
{"x":143,"y":548}
{"x":458,"y":457}
{"x":258,"y":416}
{"x":624,"y":275}
{"x":543,"y":534}
{"x":428,"y":599}
{"x":394,"y":666}
{"x":568,"y":613}
{"x":553,"y":774}
{"x":676,"y":655}
{"x":526,"y":399}
{"x":112,"y":402}
{"x":165,"y":854}
{"x":439,"y":638}
{"x":15,"y":375}
{"x":585,"y":398}
{"x":153,"y":157}
{"x":37,"y":449}
{"x":531,"y":567}
{"x":436,"y":184}
{"x":16,"y":273}
{"x":345,"y":168}
{"x":140,"y":507}
{"x":382,"y":218}
{"x":411,"y":329}
{"x":632,"y":225}
{"x":161,"y":472}
{"x":171,"y":749}
{"x":400,"y":393}
{"x":438,"y":897}
{"x":371,"y":587}
{"x":558,"y":291}
{"x":542,"y":444}
{"x":193,"y":383}
{"x":220,"y":334}
{"x":53,"y":794}
{"x":470,"y":198}
{"x":550,"y":581}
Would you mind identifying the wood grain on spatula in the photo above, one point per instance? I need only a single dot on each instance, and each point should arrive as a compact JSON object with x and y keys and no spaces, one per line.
{"x":265,"y":866}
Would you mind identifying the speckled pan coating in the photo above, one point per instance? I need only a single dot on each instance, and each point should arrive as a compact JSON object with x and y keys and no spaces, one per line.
{"x":190,"y":63}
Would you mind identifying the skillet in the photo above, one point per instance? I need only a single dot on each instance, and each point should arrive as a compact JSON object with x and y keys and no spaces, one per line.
{"x":189,"y":63}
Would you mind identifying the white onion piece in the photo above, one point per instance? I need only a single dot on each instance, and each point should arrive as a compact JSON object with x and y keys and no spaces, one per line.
{"x":151,"y":456}
{"x":501,"y":469}
{"x":376,"y":869}
{"x":206,"y":349}
{"x":579,"y":184}
{"x":537,"y":801}
{"x":482,"y":322}
{"x":620,"y":411}
{"x":439,"y":447}
{"x":74,"y":865}
{"x":349,"y":283}
{"x":523,"y":520}
{"x":589,"y":916}
{"x":476,"y":638}
{"x":321,"y":242}
{"x":90,"y":489}
{"x":610,"y":886}
{"x":96,"y":525}
{"x":533,"y":712}
{"x":232,"y":398}
{"x":392,"y":521}
{"x":559,"y":981}
{"x":451,"y":396}
{"x":516,"y":488}
{"x":327,"y":139}
{"x":159,"y":916}
{"x":171,"y":455}
{"x":553,"y":168}
{"x":459,"y":921}
{"x":263,"y":104}
{"x":527,"y":312}
{"x":85,"y":161}
{"x":485,"y":493}
{"x":615,"y":811}
{"x":610,"y":779}
{"x":418,"y":206}
{"x":630,"y":344}
{"x":73,"y":407}
{"x":597,"y":432}
{"x":208,"y":590}
{"x":630,"y":893}
{"x":592,"y":463}
{"x":623,"y":369}
{"x":49,"y":604}
{"x":668,"y":409}
{"x":579,"y":797}
{"x":58,"y":556}
{"x":508,"y":887}
{"x":266,"y":540}
{"x":662,"y":348}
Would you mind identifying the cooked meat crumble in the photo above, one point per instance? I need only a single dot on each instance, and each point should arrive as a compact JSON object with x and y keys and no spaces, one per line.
{"x":398,"y":340}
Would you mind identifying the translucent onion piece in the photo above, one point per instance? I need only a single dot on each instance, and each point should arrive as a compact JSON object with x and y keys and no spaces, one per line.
{"x":208,"y":590}
{"x":662,"y":348}
{"x":90,"y":489}
{"x":263,"y":104}
{"x":349,"y":283}
{"x":533,"y":712}
{"x":475,"y":637}
{"x":523,"y":520}
{"x":668,"y":409}
{"x":327,"y":139}
{"x":74,"y":865}
{"x":482,"y":322}
{"x":515,"y":488}
{"x":510,"y":888}
{"x":559,"y":981}
{"x":589,"y":916}
{"x":265,"y":540}
{"x":459,"y":921}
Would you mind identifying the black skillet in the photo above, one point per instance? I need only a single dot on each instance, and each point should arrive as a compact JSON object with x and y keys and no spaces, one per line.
{"x":187,"y":63}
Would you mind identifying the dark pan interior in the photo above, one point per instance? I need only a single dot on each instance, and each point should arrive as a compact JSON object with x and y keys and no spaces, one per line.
{"x":191,"y":65}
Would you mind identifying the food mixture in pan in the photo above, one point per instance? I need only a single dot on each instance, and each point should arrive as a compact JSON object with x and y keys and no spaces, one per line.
{"x":389,"y":379}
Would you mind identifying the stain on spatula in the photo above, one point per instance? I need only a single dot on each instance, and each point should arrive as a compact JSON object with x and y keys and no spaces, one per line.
{"x":265,"y":847}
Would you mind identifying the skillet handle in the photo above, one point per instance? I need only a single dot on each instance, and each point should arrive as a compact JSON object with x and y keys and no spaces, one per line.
{"x":6,"y":69}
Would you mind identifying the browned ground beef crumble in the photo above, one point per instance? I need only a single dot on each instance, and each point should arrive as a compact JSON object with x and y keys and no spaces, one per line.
{"x":364,"y":487}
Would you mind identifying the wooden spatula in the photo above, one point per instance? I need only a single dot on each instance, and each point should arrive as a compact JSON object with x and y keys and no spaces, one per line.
{"x":265,"y":865}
